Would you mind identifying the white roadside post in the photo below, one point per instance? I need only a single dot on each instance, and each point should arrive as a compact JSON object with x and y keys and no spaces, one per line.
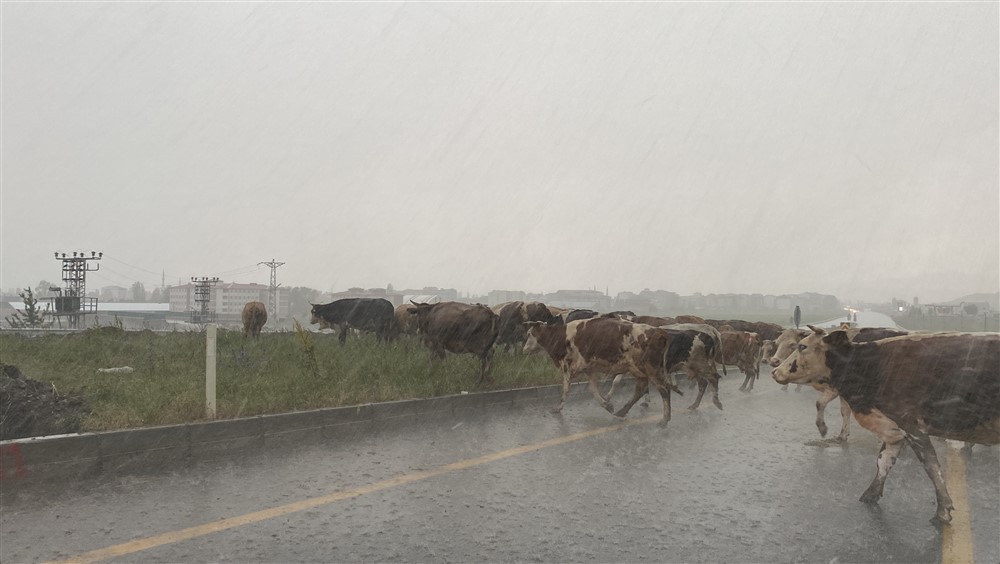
{"x":210,"y":371}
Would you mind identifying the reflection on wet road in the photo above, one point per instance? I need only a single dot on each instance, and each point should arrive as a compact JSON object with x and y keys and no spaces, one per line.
{"x":748,"y":484}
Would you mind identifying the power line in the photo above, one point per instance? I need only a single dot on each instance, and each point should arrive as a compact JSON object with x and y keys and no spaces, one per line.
{"x":158,"y":274}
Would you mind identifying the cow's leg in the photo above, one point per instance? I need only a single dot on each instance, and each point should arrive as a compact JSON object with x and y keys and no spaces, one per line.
{"x":827,"y":395}
{"x":665,"y":396}
{"x":565,"y":394}
{"x":747,"y":384}
{"x":845,"y":414}
{"x":614,"y":384}
{"x":595,"y":390}
{"x":641,"y":387}
{"x":486,"y":363}
{"x":702,"y":385}
{"x":343,"y":334}
{"x":715,"y":391}
{"x":921,"y":445}
{"x":892,"y":441}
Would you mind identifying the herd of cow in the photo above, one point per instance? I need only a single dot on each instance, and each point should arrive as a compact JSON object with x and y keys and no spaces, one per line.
{"x":902,"y":386}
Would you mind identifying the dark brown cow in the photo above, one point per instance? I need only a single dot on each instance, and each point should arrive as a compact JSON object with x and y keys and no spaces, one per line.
{"x":363,"y":314}
{"x":254,"y":318}
{"x":655,"y":321}
{"x":689,"y":319}
{"x":578,"y":314}
{"x":513,"y":316}
{"x":603,"y":346}
{"x":767,"y":331}
{"x":459,"y":328}
{"x":907,"y":389}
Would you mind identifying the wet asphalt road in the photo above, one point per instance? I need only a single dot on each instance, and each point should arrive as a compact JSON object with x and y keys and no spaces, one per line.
{"x":748,"y":484}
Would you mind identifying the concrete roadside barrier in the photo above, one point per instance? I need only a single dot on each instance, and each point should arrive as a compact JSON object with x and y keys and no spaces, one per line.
{"x":76,"y":457}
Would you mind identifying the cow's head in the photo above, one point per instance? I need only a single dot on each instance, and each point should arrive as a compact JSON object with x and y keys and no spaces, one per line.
{"x":767,"y":350}
{"x":419,"y":312}
{"x":315,"y":316}
{"x":808,"y":362}
{"x":531,"y":344}
{"x":785,"y":344}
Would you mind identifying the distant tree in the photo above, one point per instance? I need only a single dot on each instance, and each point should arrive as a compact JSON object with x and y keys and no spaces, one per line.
{"x":138,"y":292}
{"x":157,"y":296}
{"x":42,"y":288}
{"x":32,"y":316}
{"x":300,"y":300}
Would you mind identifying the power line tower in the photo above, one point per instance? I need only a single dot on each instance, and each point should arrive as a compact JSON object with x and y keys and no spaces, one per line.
{"x":202,"y":297}
{"x":272,"y":290}
{"x":72,"y":300}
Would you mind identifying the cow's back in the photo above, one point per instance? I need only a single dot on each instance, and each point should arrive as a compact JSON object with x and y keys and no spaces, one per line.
{"x":461,"y":327}
{"x":949,"y":382}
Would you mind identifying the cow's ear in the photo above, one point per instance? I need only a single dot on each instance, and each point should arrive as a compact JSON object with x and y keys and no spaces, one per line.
{"x":817,"y":330}
{"x":837,"y":339}
{"x":529,"y":325}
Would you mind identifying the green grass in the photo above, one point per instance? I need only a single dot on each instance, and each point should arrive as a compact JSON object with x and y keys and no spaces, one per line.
{"x":277,"y":373}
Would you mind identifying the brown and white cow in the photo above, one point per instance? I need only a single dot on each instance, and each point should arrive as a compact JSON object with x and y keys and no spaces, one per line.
{"x":254,"y":318}
{"x":700,"y":362}
{"x":908,"y":388}
{"x":767,"y":349}
{"x":827,"y":394}
{"x":512,"y":318}
{"x":601,"y":346}
{"x":405,"y":320}
{"x":459,"y":328}
{"x":742,"y":349}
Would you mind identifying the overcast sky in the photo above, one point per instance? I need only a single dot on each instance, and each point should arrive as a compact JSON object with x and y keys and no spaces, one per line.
{"x":842,"y":148}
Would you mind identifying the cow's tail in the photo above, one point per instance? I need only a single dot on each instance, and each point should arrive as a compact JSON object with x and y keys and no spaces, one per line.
{"x":668,"y":378}
{"x":722,"y":356}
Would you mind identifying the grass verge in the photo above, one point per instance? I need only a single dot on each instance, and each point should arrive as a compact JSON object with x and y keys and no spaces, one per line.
{"x":277,"y":373}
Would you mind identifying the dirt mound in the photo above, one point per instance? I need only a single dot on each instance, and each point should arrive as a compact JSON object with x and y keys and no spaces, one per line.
{"x":29,"y":408}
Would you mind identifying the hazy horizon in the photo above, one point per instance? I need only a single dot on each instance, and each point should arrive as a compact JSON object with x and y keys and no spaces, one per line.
{"x":773,"y":148}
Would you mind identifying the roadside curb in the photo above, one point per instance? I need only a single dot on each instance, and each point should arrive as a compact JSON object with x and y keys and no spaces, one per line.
{"x":89,"y":455}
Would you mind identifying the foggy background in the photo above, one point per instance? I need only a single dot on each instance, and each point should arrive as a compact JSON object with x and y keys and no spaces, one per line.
{"x":840,"y":148}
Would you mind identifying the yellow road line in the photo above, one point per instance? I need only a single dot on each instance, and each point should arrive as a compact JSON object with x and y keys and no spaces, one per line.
{"x":956,"y":539}
{"x":171,"y":537}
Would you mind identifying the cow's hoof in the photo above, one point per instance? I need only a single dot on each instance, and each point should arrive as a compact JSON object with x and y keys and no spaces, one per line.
{"x":869,"y":498}
{"x":663,"y":423}
{"x":841,"y":439}
{"x":822,"y":429}
{"x":940,"y":521}
{"x":718,"y":404}
{"x":784,"y":388}
{"x":609,"y":407}
{"x":644,"y":404}
{"x":692,"y":407}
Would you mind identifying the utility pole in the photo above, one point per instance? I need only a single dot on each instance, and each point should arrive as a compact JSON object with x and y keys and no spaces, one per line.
{"x":73,"y":298}
{"x":272,"y":290}
{"x":202,"y":297}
